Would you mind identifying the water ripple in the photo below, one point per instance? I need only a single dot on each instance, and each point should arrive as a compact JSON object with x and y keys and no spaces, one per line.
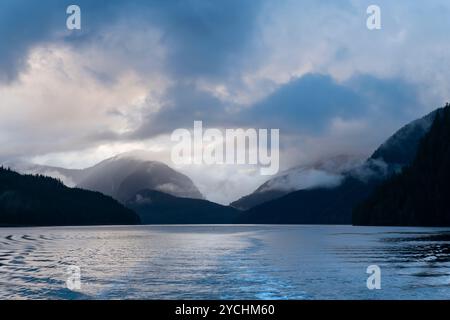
{"x":224,"y":262}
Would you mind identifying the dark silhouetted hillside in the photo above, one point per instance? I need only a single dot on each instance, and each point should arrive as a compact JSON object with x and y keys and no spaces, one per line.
{"x":119,"y":177}
{"x":321,"y":173}
{"x":156,"y":207}
{"x":420,"y":194}
{"x":314,"y":206}
{"x":335,"y":204}
{"x":27,"y":200}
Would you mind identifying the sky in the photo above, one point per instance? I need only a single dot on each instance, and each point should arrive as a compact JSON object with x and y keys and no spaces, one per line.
{"x":138,"y":70}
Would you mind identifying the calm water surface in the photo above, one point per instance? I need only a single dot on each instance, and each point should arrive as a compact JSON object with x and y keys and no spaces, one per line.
{"x":224,"y":262}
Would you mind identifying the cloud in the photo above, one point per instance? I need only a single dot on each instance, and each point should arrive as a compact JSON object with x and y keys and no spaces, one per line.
{"x":58,"y":106}
{"x":182,"y":105}
{"x":305,"y":179}
{"x":22,"y":24}
{"x":201,"y":38}
{"x":139,"y":69}
{"x":206,"y":39}
{"x":307,"y":104}
{"x":25,"y":25}
{"x":310,"y":104}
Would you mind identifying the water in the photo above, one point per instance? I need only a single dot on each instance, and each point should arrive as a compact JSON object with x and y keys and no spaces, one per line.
{"x":224,"y":262}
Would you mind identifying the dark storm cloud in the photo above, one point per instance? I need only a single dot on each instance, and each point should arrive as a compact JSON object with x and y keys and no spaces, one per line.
{"x":201,"y":37}
{"x":305,"y":105}
{"x":239,"y":48}
{"x":309,"y":103}
{"x":393,"y":97}
{"x":24,"y":24}
{"x":206,"y":38}
{"x":184,"y":104}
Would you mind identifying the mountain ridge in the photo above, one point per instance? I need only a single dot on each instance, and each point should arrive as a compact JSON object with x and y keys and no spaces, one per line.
{"x":120,"y":177}
{"x":324,"y":172}
{"x":27,"y":200}
{"x":313,"y":205}
{"x":155,"y":207}
{"x":417,"y":196}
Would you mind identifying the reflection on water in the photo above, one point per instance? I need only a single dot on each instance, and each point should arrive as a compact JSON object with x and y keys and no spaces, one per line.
{"x":225,"y":262}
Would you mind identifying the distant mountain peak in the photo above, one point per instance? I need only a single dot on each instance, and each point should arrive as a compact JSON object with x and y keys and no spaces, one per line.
{"x":125,"y":174}
{"x":326,"y":172}
{"x":121,"y":176}
{"x":334,"y":204}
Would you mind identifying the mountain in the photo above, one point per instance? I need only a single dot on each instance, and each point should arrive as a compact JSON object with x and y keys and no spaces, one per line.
{"x":154,"y":207}
{"x":334,"y":204}
{"x":420,"y":194}
{"x":120,"y":177}
{"x":323,"y":173}
{"x":27,"y":200}
{"x":70,"y":177}
{"x":315,"y":206}
{"x":401,"y":148}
